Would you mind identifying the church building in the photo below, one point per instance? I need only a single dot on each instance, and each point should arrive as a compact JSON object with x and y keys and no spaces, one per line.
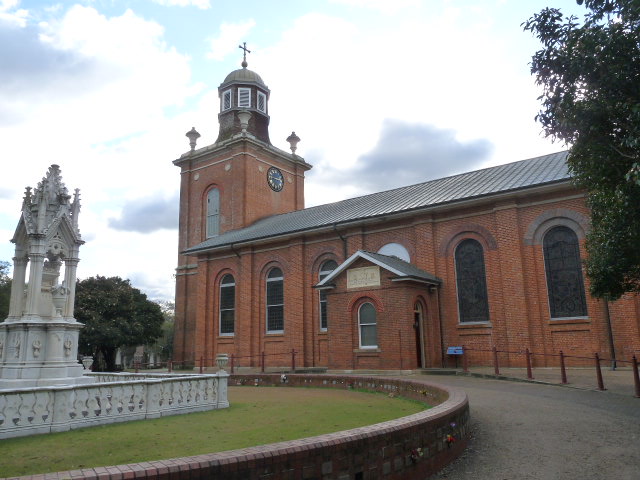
{"x":390,"y":280}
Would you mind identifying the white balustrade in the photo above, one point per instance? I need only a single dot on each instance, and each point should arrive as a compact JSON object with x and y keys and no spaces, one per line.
{"x":113,"y":398}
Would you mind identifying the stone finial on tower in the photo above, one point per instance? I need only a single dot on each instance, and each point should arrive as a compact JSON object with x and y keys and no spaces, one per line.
{"x":193,"y":137}
{"x":293,"y":140}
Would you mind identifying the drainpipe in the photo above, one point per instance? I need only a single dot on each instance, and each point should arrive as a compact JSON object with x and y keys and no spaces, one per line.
{"x":612,"y":348}
{"x":440,"y":323}
{"x":344,"y":241}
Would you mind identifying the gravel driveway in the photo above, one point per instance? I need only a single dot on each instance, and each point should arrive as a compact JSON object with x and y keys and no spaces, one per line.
{"x":529,"y":431}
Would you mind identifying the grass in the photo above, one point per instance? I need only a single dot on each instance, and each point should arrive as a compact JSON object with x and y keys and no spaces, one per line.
{"x":257,"y":415}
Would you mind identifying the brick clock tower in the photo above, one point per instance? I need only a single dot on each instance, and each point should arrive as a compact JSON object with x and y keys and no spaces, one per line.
{"x":229,"y":185}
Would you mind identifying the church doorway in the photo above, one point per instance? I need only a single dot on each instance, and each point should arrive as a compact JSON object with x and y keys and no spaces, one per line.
{"x":418,"y":327}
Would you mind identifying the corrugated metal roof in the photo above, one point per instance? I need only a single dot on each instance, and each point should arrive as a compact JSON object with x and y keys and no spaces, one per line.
{"x":488,"y":181}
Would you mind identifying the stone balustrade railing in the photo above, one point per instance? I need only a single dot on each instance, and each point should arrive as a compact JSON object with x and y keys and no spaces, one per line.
{"x":113,"y":398}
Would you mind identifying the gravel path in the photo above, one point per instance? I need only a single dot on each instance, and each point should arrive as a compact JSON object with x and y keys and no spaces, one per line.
{"x":528,"y":431}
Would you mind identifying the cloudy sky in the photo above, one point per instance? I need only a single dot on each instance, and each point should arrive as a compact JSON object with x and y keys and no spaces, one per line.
{"x":382,"y":93}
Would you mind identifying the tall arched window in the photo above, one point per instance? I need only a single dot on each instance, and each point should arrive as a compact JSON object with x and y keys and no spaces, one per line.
{"x":275,"y":301}
{"x":325,"y":269}
{"x":473,"y":304}
{"x":227,"y":305}
{"x":213,"y":212}
{"x":368,"y":326}
{"x":565,"y":285}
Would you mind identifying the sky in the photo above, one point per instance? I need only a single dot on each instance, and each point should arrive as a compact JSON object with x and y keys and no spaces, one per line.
{"x":382,"y":94}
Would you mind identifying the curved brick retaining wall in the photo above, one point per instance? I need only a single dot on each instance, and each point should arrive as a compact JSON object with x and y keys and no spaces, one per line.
{"x":411,"y":447}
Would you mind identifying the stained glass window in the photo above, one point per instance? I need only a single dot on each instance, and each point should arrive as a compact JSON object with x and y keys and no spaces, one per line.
{"x":565,"y":284}
{"x":473,"y":304}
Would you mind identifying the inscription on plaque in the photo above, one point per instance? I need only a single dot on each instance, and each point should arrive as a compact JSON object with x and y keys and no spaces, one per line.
{"x":363,"y":277}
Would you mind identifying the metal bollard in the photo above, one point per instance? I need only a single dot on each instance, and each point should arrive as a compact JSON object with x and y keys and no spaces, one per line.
{"x":599,"y":372}
{"x":529,"y":372}
{"x":496,"y":367}
{"x":636,"y":377}
{"x":201,"y":364}
{"x":563,"y":370}
{"x":262,"y":362}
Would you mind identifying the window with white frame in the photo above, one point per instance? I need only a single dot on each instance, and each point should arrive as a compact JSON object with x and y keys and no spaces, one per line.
{"x":262,"y":102}
{"x":275,"y":301}
{"x":226,"y":100}
{"x":325,"y":269}
{"x":368,"y":327}
{"x":227,"y":305}
{"x":244,"y":97}
{"x":213,"y":212}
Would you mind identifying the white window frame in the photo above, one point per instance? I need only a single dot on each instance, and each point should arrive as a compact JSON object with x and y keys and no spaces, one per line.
{"x":268,"y":305}
{"x":244,"y":94}
{"x":321,"y":275}
{"x":213,"y":217}
{"x":360,"y":325}
{"x":263,"y":97}
{"x":227,"y":285}
{"x":226,"y":95}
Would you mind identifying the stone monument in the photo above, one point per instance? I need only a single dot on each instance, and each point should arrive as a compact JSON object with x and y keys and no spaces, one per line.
{"x":39,"y":338}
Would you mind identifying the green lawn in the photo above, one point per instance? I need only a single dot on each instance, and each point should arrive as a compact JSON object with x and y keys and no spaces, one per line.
{"x":257,"y":415}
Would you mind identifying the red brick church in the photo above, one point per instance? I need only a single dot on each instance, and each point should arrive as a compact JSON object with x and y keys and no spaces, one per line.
{"x":384,"y":281}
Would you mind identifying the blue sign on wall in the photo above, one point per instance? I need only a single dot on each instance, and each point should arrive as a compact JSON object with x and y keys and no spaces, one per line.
{"x":455,"y":351}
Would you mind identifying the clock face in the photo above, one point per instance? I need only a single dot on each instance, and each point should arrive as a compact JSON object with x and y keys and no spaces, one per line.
{"x":275,"y":179}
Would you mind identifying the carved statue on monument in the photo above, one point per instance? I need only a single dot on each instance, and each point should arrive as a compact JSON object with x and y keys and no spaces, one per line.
{"x":47,"y":240}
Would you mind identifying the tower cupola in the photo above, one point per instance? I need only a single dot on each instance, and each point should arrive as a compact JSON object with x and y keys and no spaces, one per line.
{"x":244,"y":100}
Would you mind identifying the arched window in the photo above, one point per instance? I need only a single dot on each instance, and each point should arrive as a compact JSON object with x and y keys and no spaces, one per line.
{"x":275,"y":301}
{"x":325,"y":269}
{"x":565,"y":285}
{"x":473,"y":305}
{"x":368,"y":327}
{"x":213,"y":212}
{"x":227,"y":305}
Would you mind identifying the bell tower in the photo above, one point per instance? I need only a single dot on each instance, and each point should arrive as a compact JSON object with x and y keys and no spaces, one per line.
{"x":232,"y":183}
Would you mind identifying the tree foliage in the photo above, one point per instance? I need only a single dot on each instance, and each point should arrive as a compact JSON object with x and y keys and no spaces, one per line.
{"x":115,"y":314}
{"x":590,"y":73}
{"x":5,"y":289}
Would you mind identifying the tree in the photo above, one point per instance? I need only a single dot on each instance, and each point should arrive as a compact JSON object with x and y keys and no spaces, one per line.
{"x":590,"y":74}
{"x":164,"y":345}
{"x":115,"y":315}
{"x":5,"y":290}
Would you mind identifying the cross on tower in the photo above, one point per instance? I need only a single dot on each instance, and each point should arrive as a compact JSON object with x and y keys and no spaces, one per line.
{"x":245,"y":50}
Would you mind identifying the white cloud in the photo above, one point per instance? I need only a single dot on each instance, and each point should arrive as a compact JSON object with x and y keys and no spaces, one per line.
{"x":384,"y":6}
{"x":201,"y":4}
{"x":231,"y":34}
{"x":12,"y":16}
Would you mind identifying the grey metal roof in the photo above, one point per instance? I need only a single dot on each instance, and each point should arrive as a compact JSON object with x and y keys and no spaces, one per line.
{"x":547,"y":169}
{"x":404,"y":270}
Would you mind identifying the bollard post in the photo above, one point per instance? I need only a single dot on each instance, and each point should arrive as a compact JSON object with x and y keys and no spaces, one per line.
{"x":293,"y":360}
{"x":262,"y":362}
{"x":599,"y":372}
{"x":201,"y":364}
{"x":636,"y":377}
{"x":169,"y":366}
{"x":465,"y":361}
{"x":496,"y":367}
{"x":232,"y":364}
{"x":529,"y":372}
{"x":563,"y":370}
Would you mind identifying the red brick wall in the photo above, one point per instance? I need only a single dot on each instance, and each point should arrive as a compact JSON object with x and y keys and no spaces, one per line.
{"x":516,"y":288}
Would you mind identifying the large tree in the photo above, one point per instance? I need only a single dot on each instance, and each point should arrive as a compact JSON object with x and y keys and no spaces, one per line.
{"x":589,"y":69}
{"x":115,"y":315}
